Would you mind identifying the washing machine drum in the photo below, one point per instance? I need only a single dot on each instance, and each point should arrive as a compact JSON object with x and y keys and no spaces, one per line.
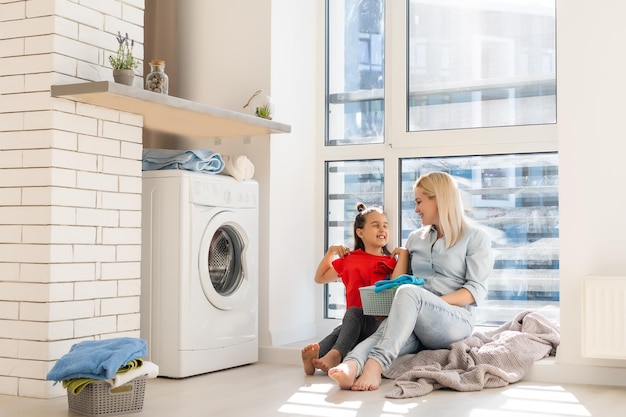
{"x":222,"y":266}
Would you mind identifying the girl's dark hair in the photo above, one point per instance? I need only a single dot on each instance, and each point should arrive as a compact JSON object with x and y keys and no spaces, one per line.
{"x":359,"y":223}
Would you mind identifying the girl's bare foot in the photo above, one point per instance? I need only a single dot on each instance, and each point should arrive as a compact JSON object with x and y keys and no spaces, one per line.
{"x":309,"y":355}
{"x":329,"y":360}
{"x":370,"y":378}
{"x":344,"y":374}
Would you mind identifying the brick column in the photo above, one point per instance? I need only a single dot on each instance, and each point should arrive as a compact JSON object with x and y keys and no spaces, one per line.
{"x":70,"y":188}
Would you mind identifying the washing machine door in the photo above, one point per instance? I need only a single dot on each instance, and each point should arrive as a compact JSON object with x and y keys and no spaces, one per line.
{"x":222,"y":261}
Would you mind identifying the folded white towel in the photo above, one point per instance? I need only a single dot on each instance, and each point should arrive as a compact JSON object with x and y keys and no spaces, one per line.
{"x":149,"y":369}
{"x":238,"y":167}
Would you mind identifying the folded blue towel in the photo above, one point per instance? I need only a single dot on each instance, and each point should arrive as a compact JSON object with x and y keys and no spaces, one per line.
{"x":200,"y":160}
{"x":97,"y":359}
{"x":383,"y":284}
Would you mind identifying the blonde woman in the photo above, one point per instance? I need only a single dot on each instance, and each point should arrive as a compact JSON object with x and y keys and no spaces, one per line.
{"x":455,"y":259}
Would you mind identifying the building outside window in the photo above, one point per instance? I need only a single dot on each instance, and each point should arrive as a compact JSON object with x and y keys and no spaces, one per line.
{"x":477,"y":64}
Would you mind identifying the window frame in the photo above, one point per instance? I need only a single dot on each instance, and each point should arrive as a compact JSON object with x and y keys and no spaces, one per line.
{"x":399,"y":143}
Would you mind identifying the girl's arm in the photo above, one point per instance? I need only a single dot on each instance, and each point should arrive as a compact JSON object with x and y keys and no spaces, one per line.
{"x":325,"y":271}
{"x":402,"y":264}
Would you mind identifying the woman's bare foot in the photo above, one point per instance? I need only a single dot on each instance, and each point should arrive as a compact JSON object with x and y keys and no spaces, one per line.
{"x":329,"y":360}
{"x":344,"y":374}
{"x":309,"y":355}
{"x":370,"y":378}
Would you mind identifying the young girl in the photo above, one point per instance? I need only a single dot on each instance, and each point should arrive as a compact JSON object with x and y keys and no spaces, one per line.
{"x":371,"y":261}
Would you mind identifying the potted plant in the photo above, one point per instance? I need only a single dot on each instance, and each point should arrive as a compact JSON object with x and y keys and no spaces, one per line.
{"x":264,"y":111}
{"x":123,"y":62}
{"x":262,"y":105}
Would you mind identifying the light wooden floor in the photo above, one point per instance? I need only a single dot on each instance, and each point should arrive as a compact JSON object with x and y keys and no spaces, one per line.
{"x":263,"y":389}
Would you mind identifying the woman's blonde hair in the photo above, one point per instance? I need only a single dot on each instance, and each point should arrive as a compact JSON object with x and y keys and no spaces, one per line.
{"x":441,"y":186}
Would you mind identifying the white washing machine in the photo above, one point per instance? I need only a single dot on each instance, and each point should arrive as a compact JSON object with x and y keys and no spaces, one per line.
{"x":199,"y":271}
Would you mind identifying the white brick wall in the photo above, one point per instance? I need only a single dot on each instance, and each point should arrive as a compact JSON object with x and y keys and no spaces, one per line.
{"x":70,"y":188}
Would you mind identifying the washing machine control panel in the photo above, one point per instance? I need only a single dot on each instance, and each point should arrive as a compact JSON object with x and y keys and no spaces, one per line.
{"x":229,"y":193}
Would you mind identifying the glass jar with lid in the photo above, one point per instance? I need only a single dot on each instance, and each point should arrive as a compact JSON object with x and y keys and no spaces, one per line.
{"x":157,"y":80}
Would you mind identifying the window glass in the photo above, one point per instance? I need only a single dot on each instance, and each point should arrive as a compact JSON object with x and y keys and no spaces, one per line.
{"x":348,"y":183}
{"x":514,"y":198}
{"x":355,"y":82}
{"x":480,"y":63}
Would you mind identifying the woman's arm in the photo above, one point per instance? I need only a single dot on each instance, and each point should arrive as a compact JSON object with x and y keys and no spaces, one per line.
{"x":460,"y":297}
{"x":325,"y":272}
{"x":479,"y":265}
{"x":402,"y":264}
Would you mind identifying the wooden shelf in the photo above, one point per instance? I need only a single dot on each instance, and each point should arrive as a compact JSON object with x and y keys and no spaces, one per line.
{"x":169,"y":114}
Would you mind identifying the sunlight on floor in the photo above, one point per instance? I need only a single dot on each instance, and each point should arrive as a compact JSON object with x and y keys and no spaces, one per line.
{"x":539,"y":401}
{"x":312,"y":400}
{"x":392,"y":409}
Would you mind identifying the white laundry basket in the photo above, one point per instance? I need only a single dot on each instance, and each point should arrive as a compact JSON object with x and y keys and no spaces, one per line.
{"x":376,"y":303}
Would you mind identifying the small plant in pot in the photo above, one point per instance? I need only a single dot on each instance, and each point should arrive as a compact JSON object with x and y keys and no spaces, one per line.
{"x":123,"y":62}
{"x":264,"y":111}
{"x":262,"y":105}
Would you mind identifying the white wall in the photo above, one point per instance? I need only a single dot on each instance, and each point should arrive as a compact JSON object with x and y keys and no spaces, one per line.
{"x":293,"y":212}
{"x":591,"y":89}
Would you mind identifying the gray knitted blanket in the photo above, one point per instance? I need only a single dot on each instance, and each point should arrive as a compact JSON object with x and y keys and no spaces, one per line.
{"x":484,"y":360}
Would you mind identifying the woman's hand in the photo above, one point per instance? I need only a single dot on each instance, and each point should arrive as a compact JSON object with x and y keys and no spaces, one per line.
{"x":460,"y":297}
{"x":400,"y":251}
{"x":402,"y":265}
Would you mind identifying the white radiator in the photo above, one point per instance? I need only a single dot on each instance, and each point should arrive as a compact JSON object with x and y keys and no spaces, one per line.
{"x":604,"y":317}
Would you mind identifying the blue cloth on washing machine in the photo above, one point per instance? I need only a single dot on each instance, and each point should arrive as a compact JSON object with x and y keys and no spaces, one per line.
{"x":199,"y":160}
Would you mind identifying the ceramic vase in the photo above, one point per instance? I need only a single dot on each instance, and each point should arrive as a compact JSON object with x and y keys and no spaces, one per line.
{"x":124,"y":76}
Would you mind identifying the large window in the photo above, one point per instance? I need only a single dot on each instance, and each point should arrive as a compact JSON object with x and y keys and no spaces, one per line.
{"x":470,"y":89}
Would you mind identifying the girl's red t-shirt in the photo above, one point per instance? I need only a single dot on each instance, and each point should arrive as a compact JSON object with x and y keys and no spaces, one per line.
{"x":360,"y":269}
